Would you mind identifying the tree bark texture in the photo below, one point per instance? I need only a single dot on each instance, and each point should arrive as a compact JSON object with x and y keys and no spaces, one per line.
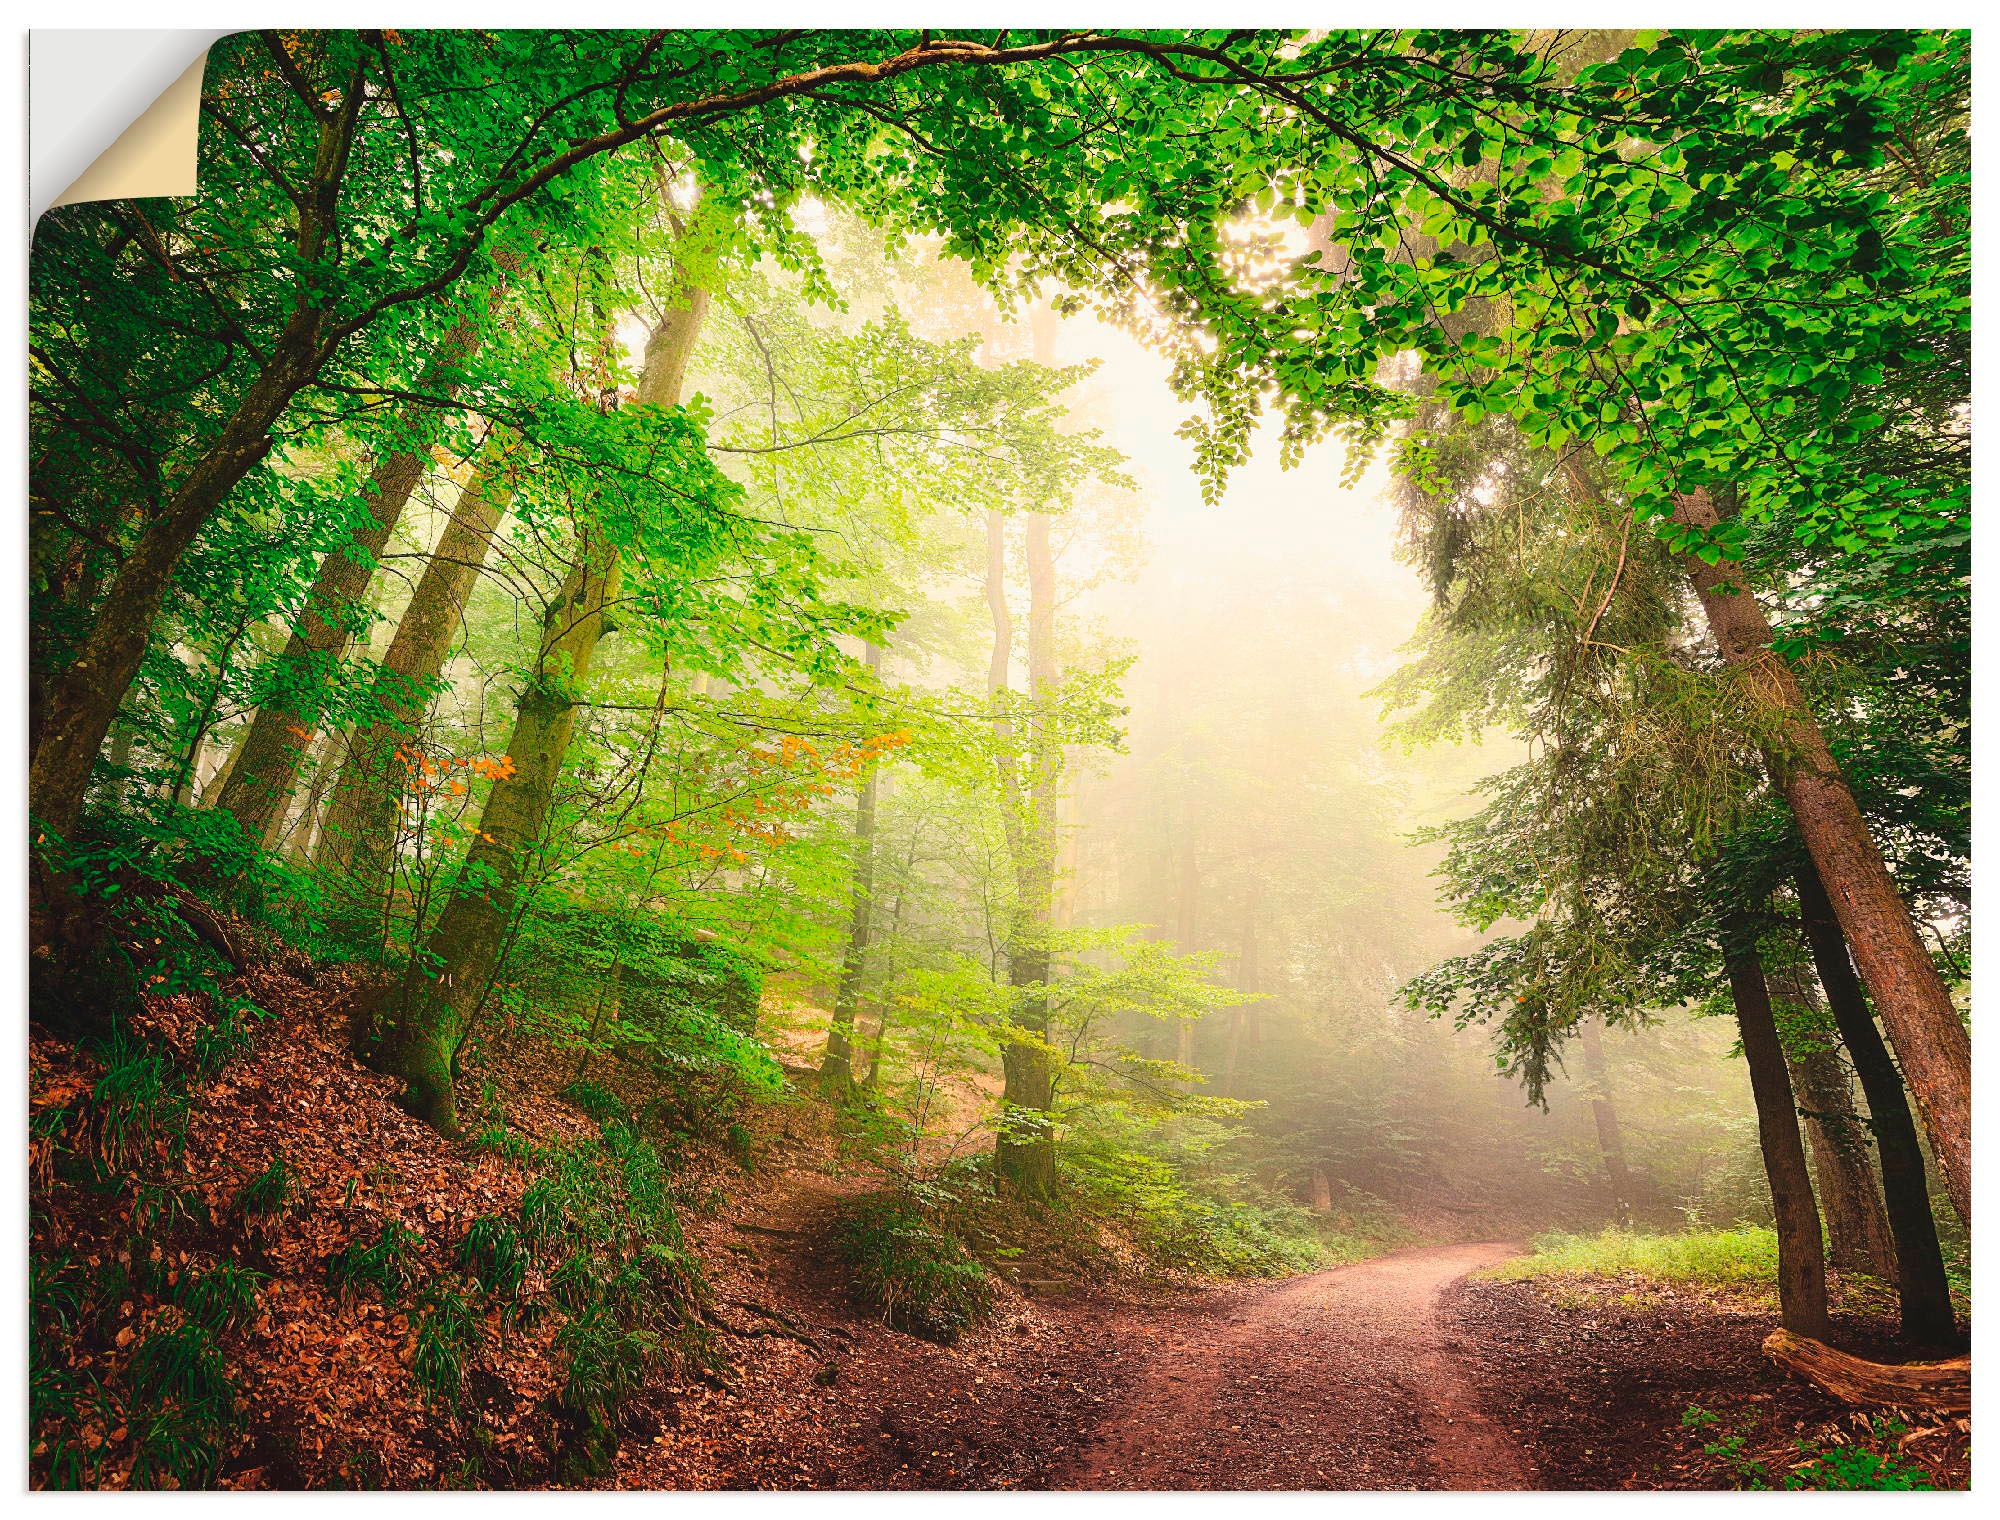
{"x":1857,"y":1226}
{"x":1940,"y":1387}
{"x":1801,"y":1253}
{"x":266,"y":765}
{"x":358,"y":838}
{"x":1920,"y":1277}
{"x":1916,"y":1007}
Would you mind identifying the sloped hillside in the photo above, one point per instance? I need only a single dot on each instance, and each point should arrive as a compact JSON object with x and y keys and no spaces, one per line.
{"x":254,"y":1270}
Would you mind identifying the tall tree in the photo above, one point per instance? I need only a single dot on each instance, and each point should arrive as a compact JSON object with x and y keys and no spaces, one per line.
{"x":1801,"y":1252}
{"x":1916,"y":1007}
{"x":1924,"y":1291}
{"x":265,"y":765}
{"x":1604,"y":1116}
{"x":359,"y":836}
{"x":455,"y":970}
{"x":836,"y":1072}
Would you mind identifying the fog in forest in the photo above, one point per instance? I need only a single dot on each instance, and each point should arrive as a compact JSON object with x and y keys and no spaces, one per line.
{"x":1032,"y":759}
{"x":1264,"y":811}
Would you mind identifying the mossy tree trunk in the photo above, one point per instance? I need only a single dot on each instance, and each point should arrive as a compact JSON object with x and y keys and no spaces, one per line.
{"x":461,"y":958}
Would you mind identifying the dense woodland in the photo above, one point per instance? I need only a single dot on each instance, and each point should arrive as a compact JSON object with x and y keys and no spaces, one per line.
{"x":599,"y":611}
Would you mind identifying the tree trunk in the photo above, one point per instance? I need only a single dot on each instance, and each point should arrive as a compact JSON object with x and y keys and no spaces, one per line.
{"x":1801,"y":1253}
{"x":1610,"y":1138}
{"x":1187,"y":907}
{"x":357,"y":843}
{"x":1322,"y":1191}
{"x":266,"y":764}
{"x":1916,"y":1007}
{"x":467,"y":943}
{"x":81,"y":701}
{"x":1025,"y":1152}
{"x":1920,"y":1279}
{"x":836,"y":1072}
{"x":1857,"y":1228}
{"x":1246,"y":981}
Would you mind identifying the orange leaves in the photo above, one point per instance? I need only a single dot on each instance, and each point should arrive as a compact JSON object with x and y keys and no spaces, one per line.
{"x":426,"y":773}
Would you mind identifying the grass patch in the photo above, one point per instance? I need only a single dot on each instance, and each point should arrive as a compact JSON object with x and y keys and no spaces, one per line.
{"x":917,"y":1274}
{"x":1745,"y":1257}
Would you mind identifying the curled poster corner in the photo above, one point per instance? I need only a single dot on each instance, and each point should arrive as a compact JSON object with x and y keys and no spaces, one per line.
{"x":113,"y":114}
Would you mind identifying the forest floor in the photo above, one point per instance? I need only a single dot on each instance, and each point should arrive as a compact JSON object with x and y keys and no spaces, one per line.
{"x":1395,"y":1373}
{"x":1340,"y":1379}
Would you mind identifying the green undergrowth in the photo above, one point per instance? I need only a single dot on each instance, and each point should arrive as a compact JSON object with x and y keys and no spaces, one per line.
{"x":601,"y":1222}
{"x":1868,"y":1458}
{"x":1172,"y":1188}
{"x":135,"y":1363}
{"x":909,"y":1264}
{"x":1742,"y":1258}
{"x":129,"y":1328}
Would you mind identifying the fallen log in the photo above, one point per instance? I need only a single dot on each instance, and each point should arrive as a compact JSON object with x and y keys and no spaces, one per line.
{"x":1945,"y":1387}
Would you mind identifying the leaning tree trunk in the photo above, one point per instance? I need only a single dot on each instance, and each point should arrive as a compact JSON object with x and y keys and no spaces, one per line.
{"x":1916,"y":1007}
{"x":357,"y":842}
{"x":1857,"y":1226}
{"x":465,"y":947}
{"x":1610,"y":1136}
{"x":81,"y":701}
{"x":1920,"y":1278}
{"x":265,"y":767}
{"x":1801,"y":1253}
{"x":1943,"y":1388}
{"x":836,"y":1072}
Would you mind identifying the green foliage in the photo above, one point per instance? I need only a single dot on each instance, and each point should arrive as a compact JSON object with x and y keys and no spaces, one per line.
{"x":216,"y":1044}
{"x":139,"y":1103}
{"x":1870,"y":1461}
{"x":445,"y":1335}
{"x":1172,"y":1186}
{"x":908,"y":1266}
{"x":1854,"y":1465}
{"x":270,"y":1191}
{"x":597,"y":1102}
{"x":184,"y":1407}
{"x":386,"y":1264}
{"x":221,"y":1298}
{"x":491,"y":1251}
{"x":1743,"y":1257}
{"x":601,"y":1220}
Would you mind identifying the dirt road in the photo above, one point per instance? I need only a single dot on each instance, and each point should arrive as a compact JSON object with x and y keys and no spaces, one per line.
{"x":1339,"y":1380}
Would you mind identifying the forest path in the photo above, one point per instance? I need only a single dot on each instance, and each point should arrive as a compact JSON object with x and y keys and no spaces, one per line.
{"x":1339,"y":1380}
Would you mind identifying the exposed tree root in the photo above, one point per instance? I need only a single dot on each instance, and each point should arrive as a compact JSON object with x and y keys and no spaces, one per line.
{"x":1945,"y":1387}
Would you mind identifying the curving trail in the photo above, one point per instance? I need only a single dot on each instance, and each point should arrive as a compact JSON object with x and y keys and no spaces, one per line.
{"x":1339,"y":1380}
